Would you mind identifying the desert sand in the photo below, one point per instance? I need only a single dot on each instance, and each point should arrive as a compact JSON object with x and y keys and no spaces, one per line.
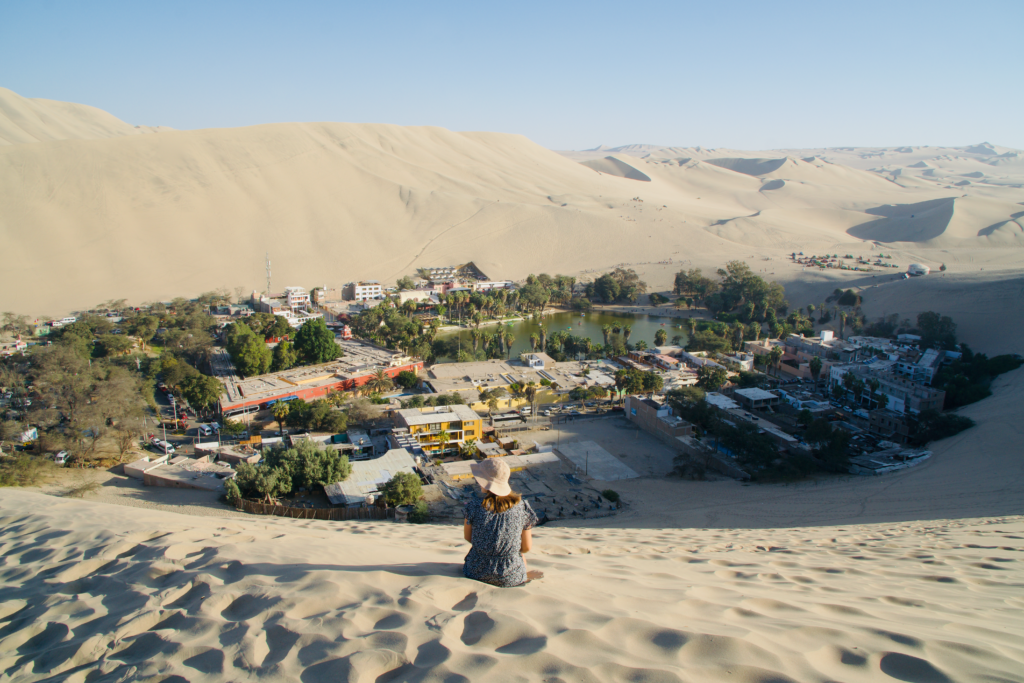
{"x":862,"y":579}
{"x":95,"y":592}
{"x":95,"y":211}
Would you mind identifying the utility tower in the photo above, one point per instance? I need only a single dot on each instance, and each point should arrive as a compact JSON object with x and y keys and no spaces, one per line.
{"x":268,"y":274}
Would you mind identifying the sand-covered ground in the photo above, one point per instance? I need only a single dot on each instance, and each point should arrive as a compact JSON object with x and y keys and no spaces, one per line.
{"x":90,"y":592}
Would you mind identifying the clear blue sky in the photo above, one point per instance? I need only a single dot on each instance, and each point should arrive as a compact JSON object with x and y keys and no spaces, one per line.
{"x":749,"y":75}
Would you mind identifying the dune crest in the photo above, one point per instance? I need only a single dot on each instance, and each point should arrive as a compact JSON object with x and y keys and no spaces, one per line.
{"x":616,"y":167}
{"x":24,"y":120}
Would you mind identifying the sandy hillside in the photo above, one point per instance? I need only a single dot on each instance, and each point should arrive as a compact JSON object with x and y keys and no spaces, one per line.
{"x":147,"y":594}
{"x":149,"y":217}
{"x":24,"y":120}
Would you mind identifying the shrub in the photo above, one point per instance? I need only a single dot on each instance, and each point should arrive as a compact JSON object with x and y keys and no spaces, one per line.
{"x":231,"y":492}
{"x":933,"y":425}
{"x":24,"y":470}
{"x":613,"y":496}
{"x":404,"y":488}
{"x":420,"y":514}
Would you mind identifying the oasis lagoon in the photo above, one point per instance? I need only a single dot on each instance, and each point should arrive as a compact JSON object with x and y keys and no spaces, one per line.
{"x":643,"y":327}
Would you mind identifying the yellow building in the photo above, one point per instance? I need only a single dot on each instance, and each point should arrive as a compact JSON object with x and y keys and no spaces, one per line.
{"x":425,"y":425}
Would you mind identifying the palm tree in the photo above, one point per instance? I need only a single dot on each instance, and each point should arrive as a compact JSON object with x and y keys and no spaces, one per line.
{"x":443,"y":438}
{"x":379,"y":382}
{"x":280,"y":413}
{"x":641,"y":345}
{"x":474,"y":334}
{"x":508,"y":337}
{"x":842,"y":323}
{"x":606,"y":330}
{"x":626,"y":331}
{"x":693,"y":326}
{"x":775,"y":356}
{"x":815,"y":370}
{"x":543,"y":339}
{"x":534,"y":340}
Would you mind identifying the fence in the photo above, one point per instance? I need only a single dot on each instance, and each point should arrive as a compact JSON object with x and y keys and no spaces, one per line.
{"x":332,"y":514}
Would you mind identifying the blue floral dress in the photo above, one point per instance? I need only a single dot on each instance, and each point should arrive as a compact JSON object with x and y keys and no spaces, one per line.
{"x":497,"y":538}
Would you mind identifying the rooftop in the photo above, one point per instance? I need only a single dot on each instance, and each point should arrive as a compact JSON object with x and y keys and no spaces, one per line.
{"x":360,"y":359}
{"x":414,"y":416}
{"x":368,"y":475}
{"x":755,"y":394}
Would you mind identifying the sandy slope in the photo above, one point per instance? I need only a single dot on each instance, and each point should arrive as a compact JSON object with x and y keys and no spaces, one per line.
{"x":24,"y":120}
{"x":147,"y":594}
{"x":148,"y":217}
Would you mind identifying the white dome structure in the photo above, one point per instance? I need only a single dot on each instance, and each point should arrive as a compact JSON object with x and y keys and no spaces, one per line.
{"x":916,"y":269}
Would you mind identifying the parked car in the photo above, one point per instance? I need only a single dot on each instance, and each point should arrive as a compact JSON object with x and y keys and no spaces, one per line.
{"x":163,"y":446}
{"x":60,"y":459}
{"x":205,"y":430}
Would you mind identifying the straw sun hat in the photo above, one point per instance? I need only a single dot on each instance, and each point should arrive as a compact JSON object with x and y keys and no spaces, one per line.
{"x":492,"y":475}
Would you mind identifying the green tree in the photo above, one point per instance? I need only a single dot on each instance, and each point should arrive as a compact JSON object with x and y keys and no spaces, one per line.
{"x":405,"y":283}
{"x":284,"y":356}
{"x":407,"y":379}
{"x":815,"y":365}
{"x":379,"y":382}
{"x":711,"y":378}
{"x":404,"y":488}
{"x":308,"y":465}
{"x":937,"y":331}
{"x":774,"y":356}
{"x":262,"y":482}
{"x":114,"y":344}
{"x":805,"y":417}
{"x":443,"y":437}
{"x":280,"y":412}
{"x":315,"y":343}
{"x":660,"y":337}
{"x":201,"y":391}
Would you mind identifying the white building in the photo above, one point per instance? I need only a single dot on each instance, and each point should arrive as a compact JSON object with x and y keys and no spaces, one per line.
{"x":916,"y":269}
{"x":297,"y":298}
{"x":358,"y":291}
{"x":488,"y":285}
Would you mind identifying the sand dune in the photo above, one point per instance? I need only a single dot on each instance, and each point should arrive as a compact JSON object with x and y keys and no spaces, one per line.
{"x":25,"y":120}
{"x":149,"y":217}
{"x":616,"y":167}
{"x":202,"y":599}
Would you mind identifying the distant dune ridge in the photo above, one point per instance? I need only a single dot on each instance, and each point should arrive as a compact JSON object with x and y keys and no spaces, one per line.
{"x":89,"y":200}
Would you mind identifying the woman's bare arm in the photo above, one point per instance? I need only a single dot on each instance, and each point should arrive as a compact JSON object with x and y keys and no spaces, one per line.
{"x":467,"y":531}
{"x":526,"y":541}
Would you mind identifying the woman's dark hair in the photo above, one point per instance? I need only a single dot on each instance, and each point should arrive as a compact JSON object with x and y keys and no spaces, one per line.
{"x":498,"y":504}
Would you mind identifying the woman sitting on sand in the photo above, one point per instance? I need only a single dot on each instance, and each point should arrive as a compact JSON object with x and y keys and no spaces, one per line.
{"x":499,"y":529}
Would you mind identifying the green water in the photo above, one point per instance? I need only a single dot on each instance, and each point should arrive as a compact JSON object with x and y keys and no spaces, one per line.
{"x":588,"y":325}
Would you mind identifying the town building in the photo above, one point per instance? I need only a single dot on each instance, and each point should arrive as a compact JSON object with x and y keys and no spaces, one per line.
{"x":368,"y":476}
{"x":889,"y":425}
{"x":297,"y":298}
{"x":354,"y":369}
{"x":745,"y":361}
{"x":327,"y":295}
{"x":656,"y":419}
{"x":426,"y":424}
{"x":359,"y":291}
{"x":899,"y":394}
{"x":490,"y":285}
{"x":756,"y":399}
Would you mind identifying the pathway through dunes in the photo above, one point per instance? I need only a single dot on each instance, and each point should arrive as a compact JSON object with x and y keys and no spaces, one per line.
{"x":141,"y":594}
